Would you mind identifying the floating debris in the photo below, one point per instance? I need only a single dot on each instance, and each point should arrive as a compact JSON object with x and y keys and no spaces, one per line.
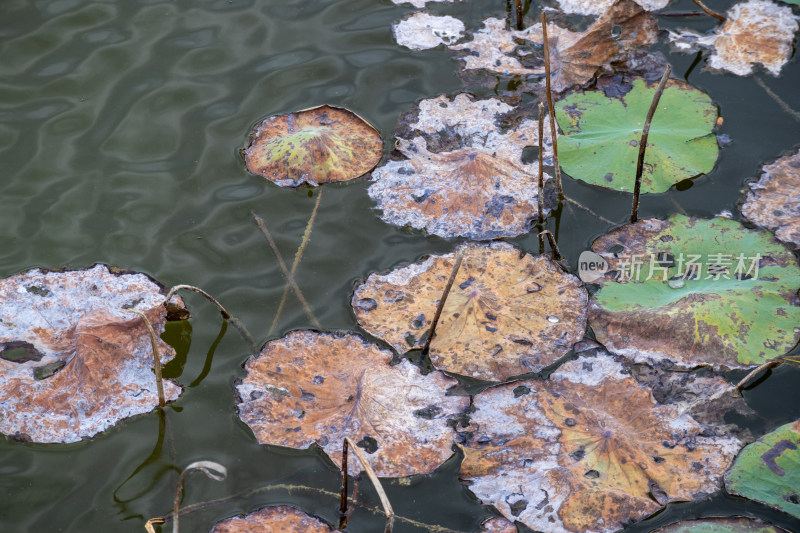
{"x":74,"y":360}
{"x":313,"y":146}
{"x":421,"y":31}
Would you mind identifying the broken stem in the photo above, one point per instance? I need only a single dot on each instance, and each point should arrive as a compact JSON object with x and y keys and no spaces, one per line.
{"x":224,"y":312}
{"x":297,"y":257}
{"x":286,"y":273}
{"x":211,"y":469}
{"x":554,"y":253}
{"x":387,"y":507}
{"x":156,"y":356}
{"x":795,"y":115}
{"x":451,"y":279}
{"x":599,"y":217}
{"x":520,"y":26}
{"x":753,"y":373}
{"x":708,"y":11}
{"x":643,"y":143}
{"x":550,"y":109}
{"x":541,"y":164}
{"x":343,"y":495}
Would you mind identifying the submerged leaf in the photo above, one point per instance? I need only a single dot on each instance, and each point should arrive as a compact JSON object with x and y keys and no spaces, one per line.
{"x":768,"y":470}
{"x":588,"y":450}
{"x":601,"y":137}
{"x":480,"y":188}
{"x":721,"y":525}
{"x":755,"y":32}
{"x":773,"y":201}
{"x":696,"y":292}
{"x":309,"y":387}
{"x":84,"y":362}
{"x":420,"y":31}
{"x":273,"y":518}
{"x":313,"y":146}
{"x":507,"y":313}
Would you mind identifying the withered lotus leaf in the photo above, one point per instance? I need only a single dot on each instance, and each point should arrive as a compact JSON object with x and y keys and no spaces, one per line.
{"x":696,"y":292}
{"x":498,"y":525}
{"x":507,"y":313}
{"x":588,"y":450}
{"x":479,"y":188}
{"x":310,"y":387}
{"x":420,"y":31}
{"x":596,"y":7}
{"x":73,"y":360}
{"x":773,"y":202}
{"x":313,"y":146}
{"x":755,"y":32}
{"x":274,"y":518}
{"x":721,"y":525}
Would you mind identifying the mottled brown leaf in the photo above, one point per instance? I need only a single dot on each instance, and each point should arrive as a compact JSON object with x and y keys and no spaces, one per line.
{"x":273,"y":519}
{"x":507,"y":313}
{"x":310,"y":387}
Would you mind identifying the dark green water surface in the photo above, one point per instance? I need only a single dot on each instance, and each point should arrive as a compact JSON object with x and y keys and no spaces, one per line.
{"x":120,"y":129}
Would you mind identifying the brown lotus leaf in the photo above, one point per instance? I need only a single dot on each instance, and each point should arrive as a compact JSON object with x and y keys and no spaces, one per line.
{"x":314,"y":146}
{"x":588,"y":450}
{"x":480,"y":189}
{"x":773,"y":201}
{"x":507,"y":313}
{"x":575,"y":58}
{"x":721,"y":525}
{"x":278,"y":518}
{"x":756,"y":31}
{"x":498,"y":525}
{"x":73,"y":360}
{"x":311,"y":387}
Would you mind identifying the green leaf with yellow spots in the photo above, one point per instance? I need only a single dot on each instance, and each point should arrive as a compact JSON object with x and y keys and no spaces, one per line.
{"x":696,"y":292}
{"x":721,"y":525}
{"x":768,"y":470}
{"x":313,"y":146}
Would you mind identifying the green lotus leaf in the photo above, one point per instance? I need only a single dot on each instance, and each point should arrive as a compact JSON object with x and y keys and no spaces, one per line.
{"x":768,"y":470}
{"x":720,"y":525}
{"x":602,"y":130}
{"x":696,"y":292}
{"x":313,"y":146}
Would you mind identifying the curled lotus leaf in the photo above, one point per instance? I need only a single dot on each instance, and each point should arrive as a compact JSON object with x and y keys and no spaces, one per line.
{"x":773,"y":202}
{"x":74,"y":360}
{"x":721,"y":525}
{"x":696,"y":292}
{"x":603,"y":131}
{"x":314,"y":146}
{"x":754,"y":32}
{"x":310,"y":387}
{"x":507,"y":313}
{"x":575,"y":57}
{"x":273,"y":518}
{"x":588,"y":450}
{"x":768,"y":470}
{"x":479,"y":188}
{"x":420,"y":31}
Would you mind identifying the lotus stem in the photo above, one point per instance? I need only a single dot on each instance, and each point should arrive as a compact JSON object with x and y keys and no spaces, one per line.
{"x":708,"y":11}
{"x":595,"y":215}
{"x":387,"y":507}
{"x":520,"y":25}
{"x":456,"y":265}
{"x":156,"y":357}
{"x":550,"y":109}
{"x":240,"y":327}
{"x":637,"y":188}
{"x":795,"y":115}
{"x":554,"y":253}
{"x":211,"y":469}
{"x":343,"y":495}
{"x":297,"y":257}
{"x":286,"y":273}
{"x":541,"y":164}
{"x":148,"y":526}
{"x":753,"y":373}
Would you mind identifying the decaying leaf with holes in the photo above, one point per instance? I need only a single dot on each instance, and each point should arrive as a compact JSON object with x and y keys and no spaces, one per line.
{"x":310,"y":387}
{"x":73,"y":360}
{"x":588,"y":450}
{"x":575,"y":57}
{"x":313,"y":146}
{"x":755,"y":32}
{"x":273,"y":518}
{"x":768,"y":470}
{"x":508,"y":313}
{"x":696,"y":292}
{"x":773,"y":202}
{"x":721,"y":525}
{"x":478,"y":187}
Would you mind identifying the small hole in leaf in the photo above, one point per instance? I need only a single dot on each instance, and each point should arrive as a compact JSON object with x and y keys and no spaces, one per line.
{"x":792,"y":498}
{"x":530,"y":154}
{"x":369,"y":444}
{"x":592,"y":474}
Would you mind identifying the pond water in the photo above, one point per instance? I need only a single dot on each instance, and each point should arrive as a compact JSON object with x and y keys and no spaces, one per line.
{"x":120,"y":130}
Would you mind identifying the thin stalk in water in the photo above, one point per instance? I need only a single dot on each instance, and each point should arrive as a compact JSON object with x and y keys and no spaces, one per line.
{"x":550,"y":108}
{"x":156,"y":357}
{"x":387,"y":507}
{"x":451,"y":279}
{"x":708,"y":11}
{"x":555,"y":254}
{"x":541,"y":164}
